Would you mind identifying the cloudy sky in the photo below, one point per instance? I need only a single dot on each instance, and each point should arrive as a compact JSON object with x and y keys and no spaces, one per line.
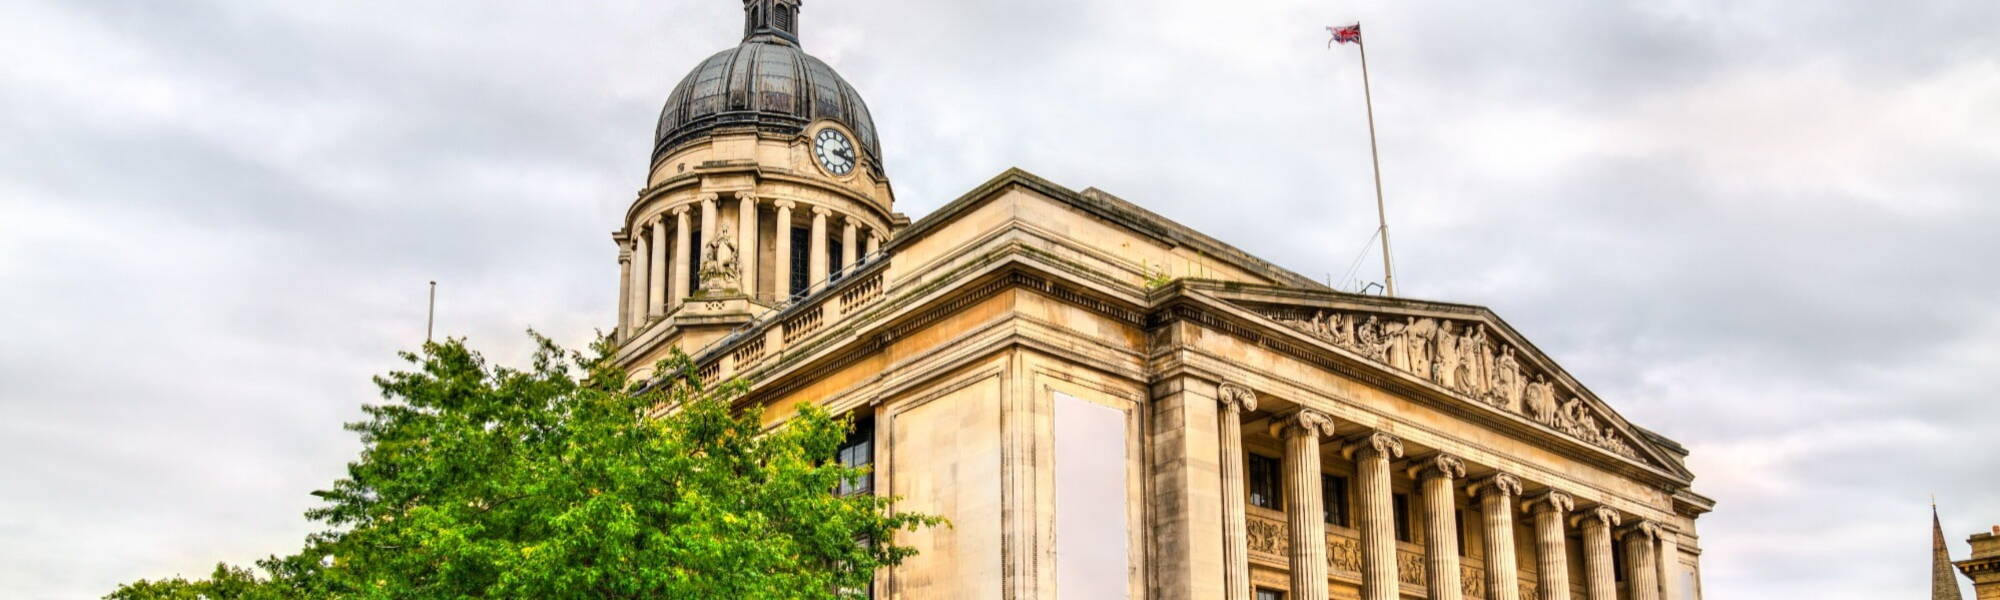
{"x":1763,"y":228}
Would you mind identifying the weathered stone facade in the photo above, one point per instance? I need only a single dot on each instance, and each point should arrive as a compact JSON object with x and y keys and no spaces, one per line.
{"x":1984,"y":566}
{"x":1259,"y":419}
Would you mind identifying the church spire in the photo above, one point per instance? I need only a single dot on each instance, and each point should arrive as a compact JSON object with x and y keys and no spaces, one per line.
{"x":1944,"y":580}
{"x":771,"y":21}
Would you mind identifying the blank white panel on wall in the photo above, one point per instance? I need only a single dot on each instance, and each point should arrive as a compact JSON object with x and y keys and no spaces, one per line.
{"x":1092,"y":554}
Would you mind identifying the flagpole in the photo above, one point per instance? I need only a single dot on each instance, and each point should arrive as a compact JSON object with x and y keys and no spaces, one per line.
{"x":1381,"y":214}
{"x":430,"y":315}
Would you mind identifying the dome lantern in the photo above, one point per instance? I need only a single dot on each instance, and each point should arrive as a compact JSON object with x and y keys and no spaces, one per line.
{"x":771,"y":20}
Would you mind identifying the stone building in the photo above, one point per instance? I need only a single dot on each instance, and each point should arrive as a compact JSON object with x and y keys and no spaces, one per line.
{"x":1109,"y":404}
{"x":1984,"y":566}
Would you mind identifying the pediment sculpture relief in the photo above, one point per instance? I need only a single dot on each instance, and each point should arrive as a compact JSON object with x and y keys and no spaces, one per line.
{"x":1459,"y":356}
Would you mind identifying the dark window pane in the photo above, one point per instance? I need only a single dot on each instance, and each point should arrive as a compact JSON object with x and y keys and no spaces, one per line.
{"x":858,"y":450}
{"x":1264,"y":594}
{"x":835,"y":268}
{"x":694,"y":261}
{"x":1264,"y":483}
{"x":1401,"y":506}
{"x":801,"y":249}
{"x":1333,"y":496}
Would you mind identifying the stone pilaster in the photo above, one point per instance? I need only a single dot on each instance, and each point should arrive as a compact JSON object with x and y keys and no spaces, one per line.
{"x":682,"y":233}
{"x":1301,"y":431}
{"x":1496,"y":494}
{"x":1669,"y":559}
{"x":624,"y":290}
{"x":1642,"y":571}
{"x":874,"y":242}
{"x":746,"y":243}
{"x":1600,"y":583}
{"x":816,"y":254}
{"x":1437,"y":475}
{"x":1550,"y":509}
{"x":1236,"y":401}
{"x":1371,"y":454}
{"x":782,"y":258}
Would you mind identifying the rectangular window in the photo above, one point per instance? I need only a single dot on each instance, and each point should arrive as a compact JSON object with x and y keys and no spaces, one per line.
{"x":694,"y":261}
{"x":1458,"y":514}
{"x":1333,"y":496}
{"x":859,"y":451}
{"x":801,"y":253}
{"x":835,"y":269}
{"x":1264,"y":483}
{"x":1269,"y":594}
{"x":1400,"y":504}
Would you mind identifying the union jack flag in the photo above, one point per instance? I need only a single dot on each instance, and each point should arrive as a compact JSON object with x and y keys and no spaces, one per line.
{"x":1350,"y":33}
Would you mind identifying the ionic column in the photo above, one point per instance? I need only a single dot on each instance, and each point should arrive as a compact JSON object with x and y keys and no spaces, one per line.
{"x":1599,"y":581}
{"x":642,"y":254}
{"x":624,"y":290}
{"x":656,"y":292}
{"x":849,"y":242}
{"x":1642,"y":574}
{"x":1437,"y":476}
{"x":782,"y":275}
{"x":1304,"y":514}
{"x":874,"y":242}
{"x":1551,"y":544}
{"x":708,"y":219}
{"x":682,"y":246}
{"x":1371,"y":454}
{"x":816,"y":254}
{"x":1236,"y":401}
{"x":746,"y":243}
{"x":1496,"y":494}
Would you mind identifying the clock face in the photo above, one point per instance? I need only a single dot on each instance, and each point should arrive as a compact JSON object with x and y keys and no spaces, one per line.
{"x":834,"y":151}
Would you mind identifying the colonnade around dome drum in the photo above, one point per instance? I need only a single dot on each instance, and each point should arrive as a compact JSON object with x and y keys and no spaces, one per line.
{"x":786,"y":249}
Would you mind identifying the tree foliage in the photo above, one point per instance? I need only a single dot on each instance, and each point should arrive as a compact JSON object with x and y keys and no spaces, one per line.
{"x":564,"y":481}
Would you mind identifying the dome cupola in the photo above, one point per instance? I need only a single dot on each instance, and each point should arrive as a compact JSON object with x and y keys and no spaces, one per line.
{"x":764,"y":84}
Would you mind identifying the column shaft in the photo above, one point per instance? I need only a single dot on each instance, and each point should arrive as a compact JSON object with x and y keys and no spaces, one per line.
{"x":849,"y":243}
{"x":1599,"y":581}
{"x":781,"y":277}
{"x":1496,"y":512}
{"x":1551,"y":544}
{"x":624,"y":292}
{"x":1669,"y":559}
{"x":642,"y":255}
{"x":679,"y":285}
{"x":874,"y":243}
{"x":1437,"y":475}
{"x":1235,"y":531}
{"x":657,"y":297}
{"x":816,"y":255}
{"x":746,"y":244}
{"x":708,"y":219}
{"x":1372,"y":454}
{"x":1304,"y":517}
{"x":1642,"y":574}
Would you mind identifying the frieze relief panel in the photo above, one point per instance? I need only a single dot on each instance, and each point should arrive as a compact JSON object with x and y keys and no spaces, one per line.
{"x":1459,"y":356}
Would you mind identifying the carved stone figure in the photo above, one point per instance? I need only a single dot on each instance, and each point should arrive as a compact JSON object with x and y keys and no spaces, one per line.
{"x":1542,"y":402}
{"x":1374,"y":341}
{"x":1444,"y":369}
{"x":1506,"y":387}
{"x":719,"y":268}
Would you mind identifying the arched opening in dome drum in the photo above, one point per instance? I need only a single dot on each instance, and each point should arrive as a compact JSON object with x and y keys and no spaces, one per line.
{"x":781,"y":17}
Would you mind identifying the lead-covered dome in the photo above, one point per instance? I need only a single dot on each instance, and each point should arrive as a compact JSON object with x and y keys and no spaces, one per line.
{"x":768,"y":83}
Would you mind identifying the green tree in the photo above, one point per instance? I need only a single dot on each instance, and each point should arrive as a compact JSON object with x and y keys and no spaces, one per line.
{"x":566,"y":481}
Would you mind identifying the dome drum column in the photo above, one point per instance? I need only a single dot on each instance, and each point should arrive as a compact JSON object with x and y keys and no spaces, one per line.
{"x":816,"y":253}
{"x":746,"y":243}
{"x":781,"y":280}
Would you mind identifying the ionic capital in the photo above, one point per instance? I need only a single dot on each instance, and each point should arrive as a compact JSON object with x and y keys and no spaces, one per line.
{"x":1502,"y":484}
{"x":1646,"y":530}
{"x":784,"y":204}
{"x":1551,"y":500}
{"x":1374,"y":443}
{"x":1601,"y":513}
{"x":820,"y":212}
{"x":680,"y":211}
{"x":1436,"y":464}
{"x":750,"y":197}
{"x":1302,"y":423}
{"x":1236,"y":398}
{"x":707,"y":198}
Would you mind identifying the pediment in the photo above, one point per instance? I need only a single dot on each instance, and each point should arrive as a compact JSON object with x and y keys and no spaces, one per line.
{"x":1466,"y":352}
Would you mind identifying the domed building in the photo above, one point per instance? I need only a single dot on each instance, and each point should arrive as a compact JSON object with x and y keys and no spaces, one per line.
{"x":1109,"y":404}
